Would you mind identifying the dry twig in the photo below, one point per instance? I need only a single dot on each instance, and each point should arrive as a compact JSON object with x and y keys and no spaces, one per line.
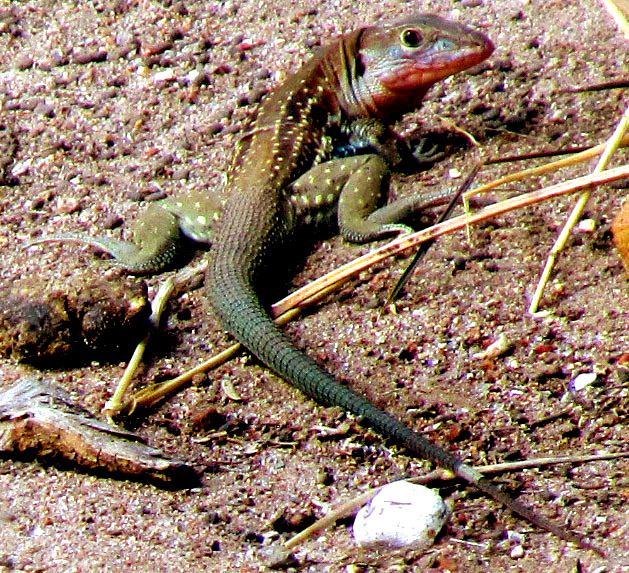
{"x":320,"y":288}
{"x":577,"y":211}
{"x":350,"y":507}
{"x":43,"y":419}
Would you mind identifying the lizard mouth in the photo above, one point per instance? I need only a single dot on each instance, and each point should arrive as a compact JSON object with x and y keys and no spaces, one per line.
{"x":412,"y":72}
{"x":403,"y":86}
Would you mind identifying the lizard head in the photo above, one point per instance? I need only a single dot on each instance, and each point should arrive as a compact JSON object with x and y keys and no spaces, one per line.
{"x":396,"y":64}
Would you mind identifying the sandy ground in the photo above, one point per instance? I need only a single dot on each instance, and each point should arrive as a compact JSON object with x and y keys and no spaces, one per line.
{"x":105,"y":104}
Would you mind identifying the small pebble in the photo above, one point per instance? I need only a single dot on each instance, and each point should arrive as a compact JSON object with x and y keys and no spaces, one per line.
{"x":587,"y":225}
{"x":164,"y":76}
{"x":277,"y":557}
{"x":497,"y":348}
{"x":23,"y":62}
{"x":582,"y":380}
{"x":156,"y":49}
{"x":67,"y":205}
{"x":401,"y":515}
{"x":89,"y":56}
{"x":517,"y":552}
{"x":454,"y":173}
{"x":36,"y":531}
{"x":22,"y":167}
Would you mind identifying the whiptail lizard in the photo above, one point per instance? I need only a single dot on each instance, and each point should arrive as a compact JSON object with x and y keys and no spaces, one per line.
{"x":287,"y":175}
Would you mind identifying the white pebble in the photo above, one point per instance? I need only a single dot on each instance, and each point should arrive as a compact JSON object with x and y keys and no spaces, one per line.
{"x":454,"y":173}
{"x":21,"y":167}
{"x":401,"y":514}
{"x":587,"y":225}
{"x":517,"y":552}
{"x":192,"y":76}
{"x":582,"y":380}
{"x":167,"y":75}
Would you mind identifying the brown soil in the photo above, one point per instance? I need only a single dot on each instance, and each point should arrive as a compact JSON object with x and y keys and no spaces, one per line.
{"x":108,"y":103}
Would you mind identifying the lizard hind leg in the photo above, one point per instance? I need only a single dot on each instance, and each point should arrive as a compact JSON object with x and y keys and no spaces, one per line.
{"x":362,"y":219}
{"x":157,"y":243}
{"x":348,"y":190}
{"x":315,"y":196}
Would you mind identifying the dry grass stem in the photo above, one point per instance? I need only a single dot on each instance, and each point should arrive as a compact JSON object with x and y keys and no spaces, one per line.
{"x":619,"y":11}
{"x":405,"y":242}
{"x":611,"y":146}
{"x":542,"y":169}
{"x":350,"y":507}
{"x":320,"y":288}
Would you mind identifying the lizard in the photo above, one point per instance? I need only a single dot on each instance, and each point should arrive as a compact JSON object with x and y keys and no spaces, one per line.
{"x":288,"y":176}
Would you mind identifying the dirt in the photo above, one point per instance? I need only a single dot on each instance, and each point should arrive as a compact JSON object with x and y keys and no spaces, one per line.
{"x":107,"y":105}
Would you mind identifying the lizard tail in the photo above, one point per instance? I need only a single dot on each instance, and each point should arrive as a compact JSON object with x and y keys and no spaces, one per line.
{"x":243,"y":315}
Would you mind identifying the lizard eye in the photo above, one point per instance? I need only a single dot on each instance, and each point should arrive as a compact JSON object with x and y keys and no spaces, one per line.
{"x":410,"y":38}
